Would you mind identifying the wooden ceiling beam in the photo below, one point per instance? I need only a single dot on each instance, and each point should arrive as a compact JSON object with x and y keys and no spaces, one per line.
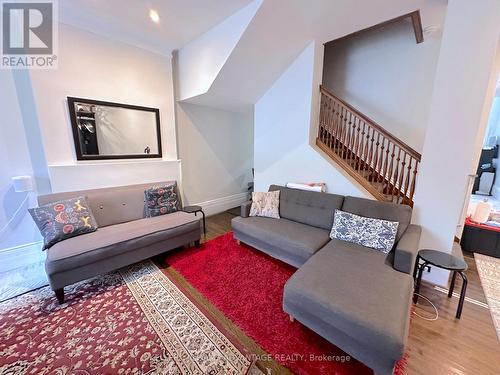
{"x":414,"y":17}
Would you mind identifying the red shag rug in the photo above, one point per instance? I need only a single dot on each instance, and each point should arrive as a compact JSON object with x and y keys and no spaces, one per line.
{"x":247,"y":286}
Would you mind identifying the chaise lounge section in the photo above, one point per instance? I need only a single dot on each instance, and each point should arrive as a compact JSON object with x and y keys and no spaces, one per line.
{"x":356,"y":297}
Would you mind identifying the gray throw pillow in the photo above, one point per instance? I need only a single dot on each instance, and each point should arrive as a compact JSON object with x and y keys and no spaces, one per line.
{"x":366,"y":231}
{"x":60,"y":220}
{"x":161,"y":200}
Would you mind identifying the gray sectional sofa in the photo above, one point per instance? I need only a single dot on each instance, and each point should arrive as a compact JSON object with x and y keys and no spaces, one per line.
{"x":124,"y":235}
{"x":357,"y":298}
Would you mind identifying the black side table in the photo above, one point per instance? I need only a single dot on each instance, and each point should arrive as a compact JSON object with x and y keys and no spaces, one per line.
{"x":445,"y":261}
{"x":195,"y":210}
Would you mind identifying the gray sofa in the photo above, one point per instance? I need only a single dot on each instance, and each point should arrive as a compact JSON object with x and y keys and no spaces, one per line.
{"x":357,"y":298}
{"x":124,"y":235}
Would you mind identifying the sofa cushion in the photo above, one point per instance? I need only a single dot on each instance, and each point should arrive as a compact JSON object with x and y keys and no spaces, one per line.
{"x":266,"y":204}
{"x":291,"y":237}
{"x":354,"y":290}
{"x":308,"y":207}
{"x":377,"y":234}
{"x":161,"y":200}
{"x":380,"y":210}
{"x":117,"y":239}
{"x":63,"y":219}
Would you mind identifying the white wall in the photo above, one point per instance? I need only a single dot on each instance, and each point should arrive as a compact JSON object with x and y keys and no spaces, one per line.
{"x":16,"y":226}
{"x":216,"y":149}
{"x":112,"y":173}
{"x":465,"y":83}
{"x":282,"y":125}
{"x":91,"y":66}
{"x":387,"y":76}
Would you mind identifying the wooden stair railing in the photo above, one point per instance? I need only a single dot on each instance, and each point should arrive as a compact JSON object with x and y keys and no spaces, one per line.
{"x":382,"y":163}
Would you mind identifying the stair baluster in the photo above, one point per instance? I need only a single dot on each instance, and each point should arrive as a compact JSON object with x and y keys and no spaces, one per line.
{"x":413,"y":181}
{"x":395,"y":176}
{"x":375,"y":160}
{"x":352,"y":123}
{"x":386,"y":162}
{"x":407,"y":182}
{"x":370,"y":156}
{"x":363,"y":148}
{"x":356,"y":145}
{"x":325,"y":118}
{"x":348,"y":138}
{"x":328,"y":118}
{"x":401,"y":177}
{"x":380,"y":160}
{"x":344,"y":132}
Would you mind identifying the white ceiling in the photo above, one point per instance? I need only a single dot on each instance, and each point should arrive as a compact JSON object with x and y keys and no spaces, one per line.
{"x":128,"y":21}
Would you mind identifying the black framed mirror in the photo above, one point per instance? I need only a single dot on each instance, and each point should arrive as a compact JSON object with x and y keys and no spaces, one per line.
{"x":107,"y":130}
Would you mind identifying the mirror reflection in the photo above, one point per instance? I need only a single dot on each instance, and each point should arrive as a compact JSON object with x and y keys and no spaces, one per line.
{"x":104,"y":130}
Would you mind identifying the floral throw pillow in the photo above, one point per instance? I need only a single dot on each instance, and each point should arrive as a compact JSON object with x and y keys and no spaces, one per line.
{"x":161,"y":200}
{"x":266,"y":204}
{"x":366,"y":231}
{"x":63,"y":219}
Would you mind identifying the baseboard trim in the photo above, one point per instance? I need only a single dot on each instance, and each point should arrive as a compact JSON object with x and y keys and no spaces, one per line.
{"x":21,"y":256}
{"x":218,"y":205}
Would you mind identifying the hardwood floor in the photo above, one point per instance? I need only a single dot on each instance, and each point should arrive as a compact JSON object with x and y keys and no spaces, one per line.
{"x":22,"y":280}
{"x":444,"y":346}
{"x":450,"y":346}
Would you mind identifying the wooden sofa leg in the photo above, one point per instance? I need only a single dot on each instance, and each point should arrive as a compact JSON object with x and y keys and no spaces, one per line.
{"x":292,"y":319}
{"x":60,"y":295}
{"x":197,"y":243}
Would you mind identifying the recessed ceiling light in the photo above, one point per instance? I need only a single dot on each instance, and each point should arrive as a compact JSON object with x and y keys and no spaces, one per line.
{"x":153,"y":14}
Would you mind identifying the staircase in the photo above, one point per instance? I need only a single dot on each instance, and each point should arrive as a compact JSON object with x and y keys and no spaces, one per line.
{"x":382,"y":163}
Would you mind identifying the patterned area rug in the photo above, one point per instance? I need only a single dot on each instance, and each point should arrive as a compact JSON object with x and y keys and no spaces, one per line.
{"x":489,"y":272}
{"x":134,"y":321}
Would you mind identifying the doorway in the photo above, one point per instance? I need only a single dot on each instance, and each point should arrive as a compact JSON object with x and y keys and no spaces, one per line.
{"x":481,"y":230}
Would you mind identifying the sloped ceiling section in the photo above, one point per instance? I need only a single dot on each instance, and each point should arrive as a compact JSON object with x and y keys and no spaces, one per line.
{"x":201,"y":60}
{"x":272,"y":40}
{"x":270,"y":43}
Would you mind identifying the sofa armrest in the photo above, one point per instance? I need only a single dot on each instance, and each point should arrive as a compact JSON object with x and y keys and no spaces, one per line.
{"x":407,"y":249}
{"x":245,"y":209}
